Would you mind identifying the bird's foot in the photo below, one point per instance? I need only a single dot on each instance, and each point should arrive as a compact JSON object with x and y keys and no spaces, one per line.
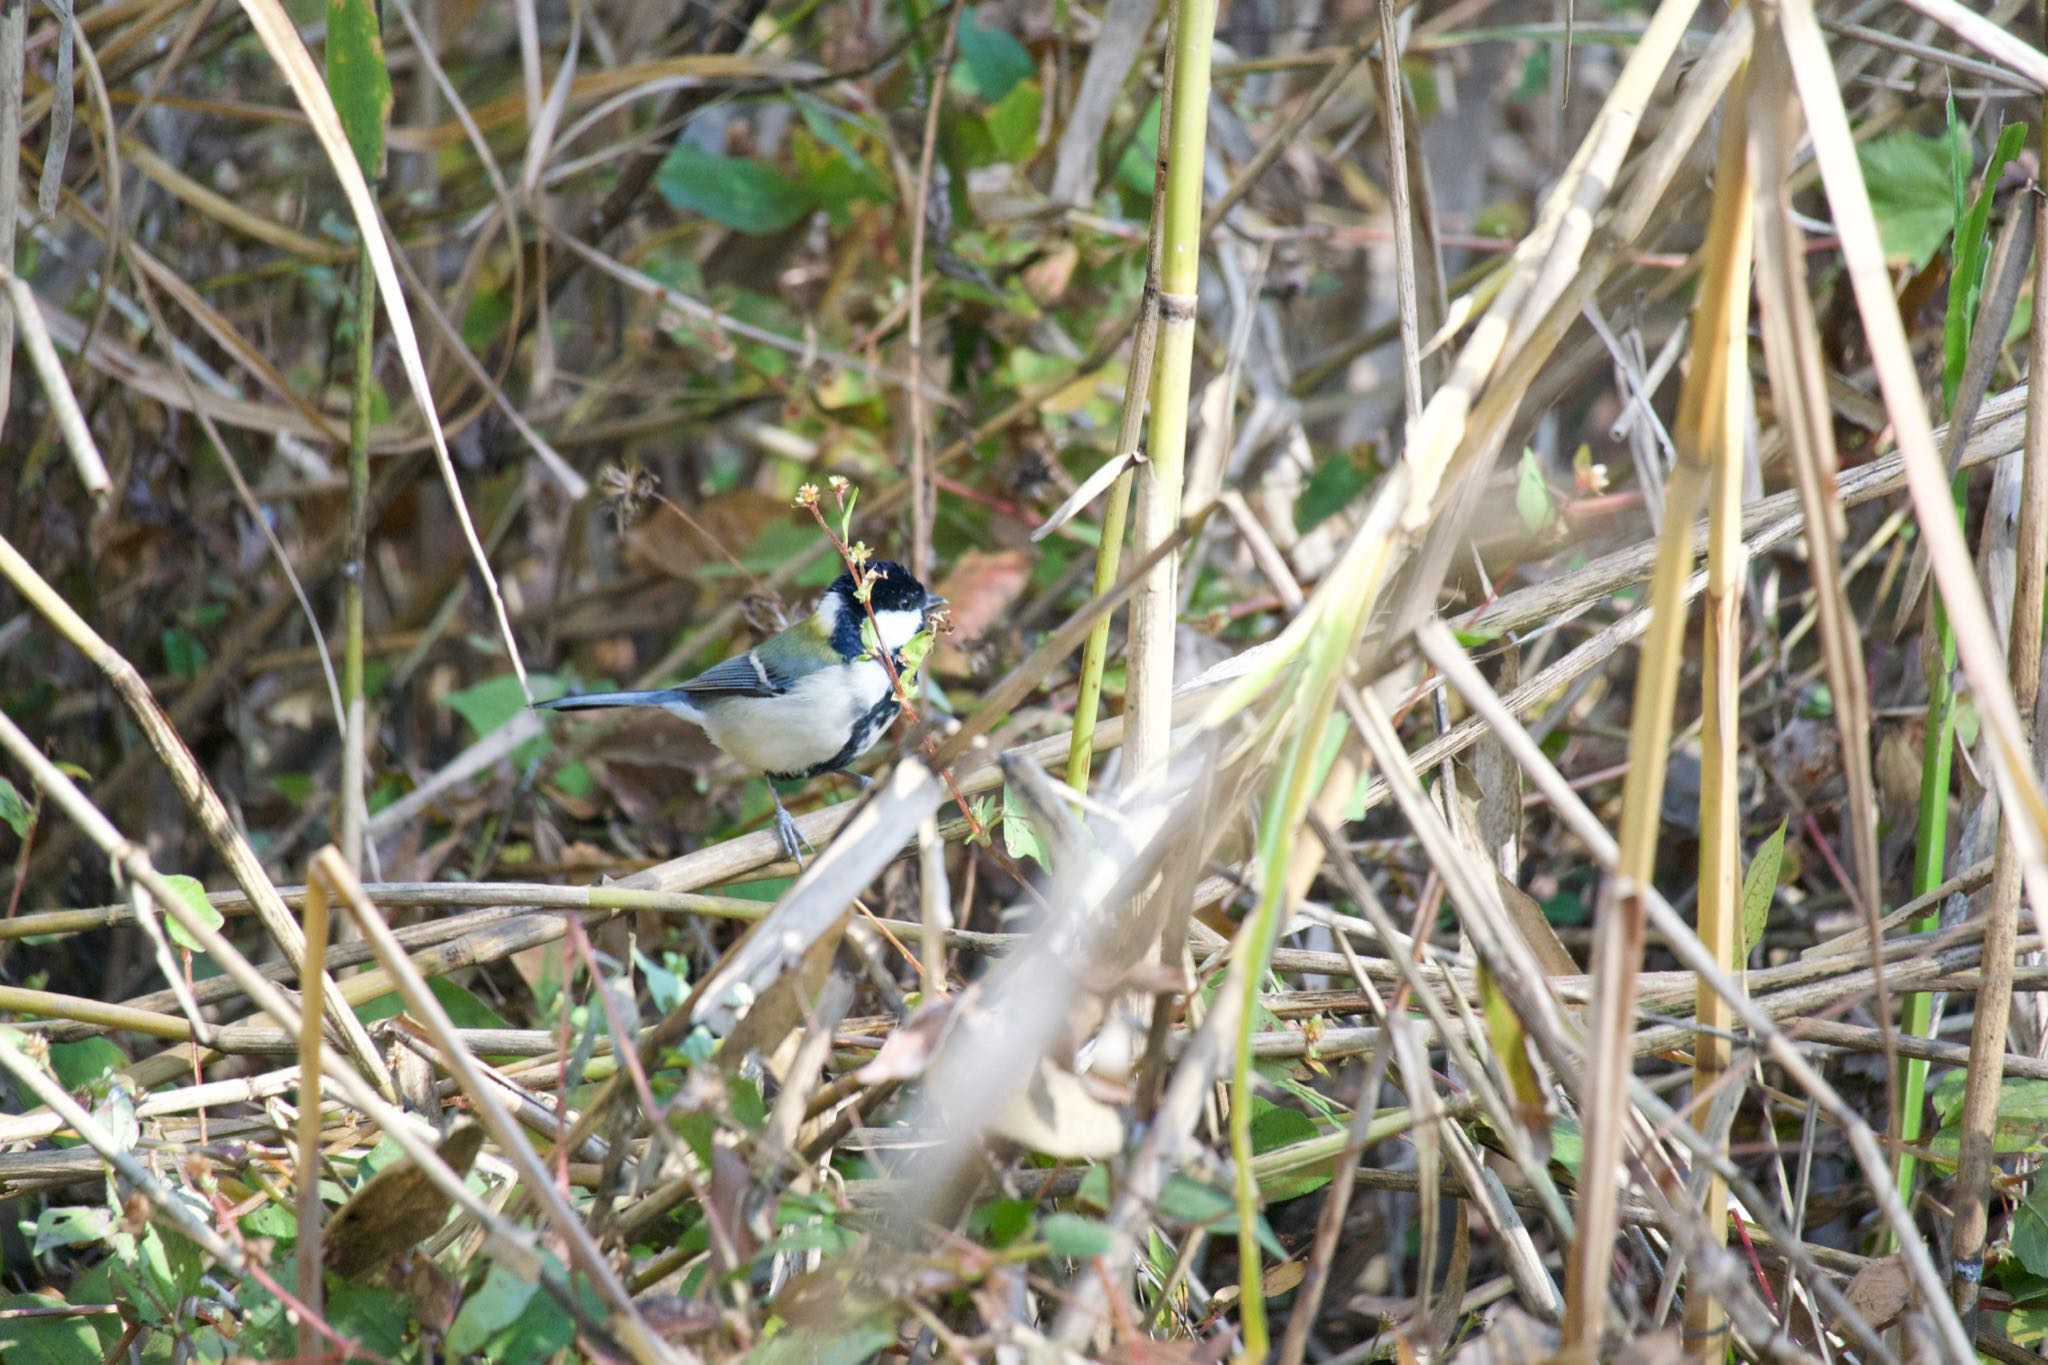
{"x":794,"y":845}
{"x":862,"y":780}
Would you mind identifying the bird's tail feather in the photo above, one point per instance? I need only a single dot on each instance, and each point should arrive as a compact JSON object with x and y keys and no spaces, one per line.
{"x":591,"y":701}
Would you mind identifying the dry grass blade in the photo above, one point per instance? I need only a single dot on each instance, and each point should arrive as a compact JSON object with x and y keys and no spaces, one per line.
{"x":1987,"y":1069}
{"x":1792,"y":357}
{"x":25,"y":315}
{"x":1720,"y":915}
{"x":134,"y":862}
{"x":1999,"y":44}
{"x":1976,"y":644}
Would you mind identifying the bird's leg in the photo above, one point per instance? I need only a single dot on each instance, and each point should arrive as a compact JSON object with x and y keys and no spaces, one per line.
{"x":793,"y":841}
{"x":862,"y":780}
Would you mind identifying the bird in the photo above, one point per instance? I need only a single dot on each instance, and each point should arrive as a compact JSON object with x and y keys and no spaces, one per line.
{"x":811,"y":698}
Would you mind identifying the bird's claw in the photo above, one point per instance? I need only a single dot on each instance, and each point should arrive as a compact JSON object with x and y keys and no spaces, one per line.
{"x":794,"y":845}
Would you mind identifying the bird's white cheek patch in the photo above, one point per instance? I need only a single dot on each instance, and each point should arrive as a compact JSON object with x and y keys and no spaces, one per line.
{"x":899,"y":628}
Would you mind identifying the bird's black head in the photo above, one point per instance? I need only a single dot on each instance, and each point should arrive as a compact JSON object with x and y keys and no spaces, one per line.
{"x":894,"y":589}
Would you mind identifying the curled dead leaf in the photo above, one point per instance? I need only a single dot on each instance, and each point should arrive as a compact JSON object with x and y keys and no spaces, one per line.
{"x":1055,"y":1114}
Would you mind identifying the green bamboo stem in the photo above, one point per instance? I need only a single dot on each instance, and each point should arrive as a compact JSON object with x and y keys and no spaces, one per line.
{"x":1930,"y":854}
{"x":1184,"y":126}
{"x":1116,"y":511}
{"x":1095,"y":653}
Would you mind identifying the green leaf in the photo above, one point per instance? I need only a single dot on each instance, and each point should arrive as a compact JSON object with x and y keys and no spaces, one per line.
{"x":2023,"y":1326}
{"x":1138,"y":165}
{"x":372,"y":1316}
{"x":574,"y":779}
{"x":271,"y":1220}
{"x":86,"y":1062}
{"x":1567,"y":1144}
{"x":13,"y":810}
{"x":1069,"y":1234}
{"x":359,"y":79}
{"x":1910,"y":189}
{"x":1013,"y":123}
{"x":194,"y":896}
{"x":1275,"y":1128}
{"x":1334,"y":485}
{"x":495,"y":1305}
{"x":69,"y":1227}
{"x":844,"y":1344}
{"x":991,"y":61}
{"x":824,"y":121}
{"x":2022,"y":1116}
{"x":734,"y":190}
{"x":1000,"y":1221}
{"x":1972,"y":248}
{"x":465,"y":1008}
{"x":183,"y":654}
{"x":43,"y":1339}
{"x":664,"y":987}
{"x":1020,"y":840}
{"x":1760,"y":888}
{"x":1187,"y":1200}
{"x":495,"y":701}
{"x":2030,"y":1233}
{"x":1532,"y":494}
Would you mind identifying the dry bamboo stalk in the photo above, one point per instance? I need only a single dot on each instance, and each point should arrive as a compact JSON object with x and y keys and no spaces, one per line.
{"x":1705,"y":434}
{"x":1720,"y":815}
{"x":13,"y":37}
{"x":310,"y":1210}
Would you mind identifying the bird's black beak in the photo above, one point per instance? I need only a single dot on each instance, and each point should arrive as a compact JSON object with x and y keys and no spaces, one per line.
{"x":932,"y":602}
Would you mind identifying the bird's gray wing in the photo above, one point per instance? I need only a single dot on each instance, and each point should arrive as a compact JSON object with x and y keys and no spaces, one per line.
{"x":744,"y":675}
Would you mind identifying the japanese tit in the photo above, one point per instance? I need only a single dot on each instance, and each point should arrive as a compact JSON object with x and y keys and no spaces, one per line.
{"x":809,"y":699}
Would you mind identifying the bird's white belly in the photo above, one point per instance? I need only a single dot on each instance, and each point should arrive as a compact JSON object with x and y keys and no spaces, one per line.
{"x":804,"y":727}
